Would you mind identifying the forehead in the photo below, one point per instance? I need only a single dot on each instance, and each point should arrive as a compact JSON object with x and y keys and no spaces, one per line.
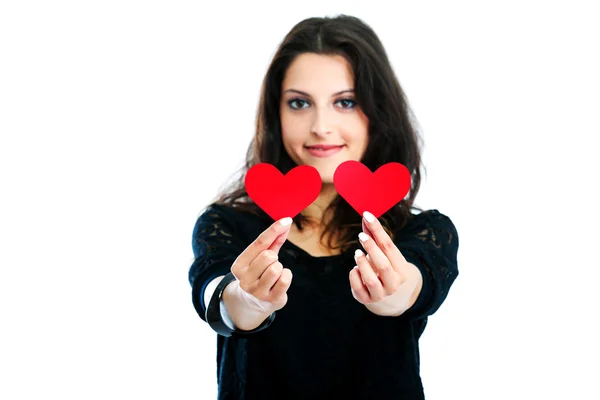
{"x":317,"y":73}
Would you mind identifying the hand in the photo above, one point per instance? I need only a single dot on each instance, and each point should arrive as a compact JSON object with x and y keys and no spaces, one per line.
{"x":383,"y":270}
{"x":262,"y":281}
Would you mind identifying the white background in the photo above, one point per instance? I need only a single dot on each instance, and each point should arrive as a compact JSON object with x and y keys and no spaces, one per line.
{"x":120,"y":120}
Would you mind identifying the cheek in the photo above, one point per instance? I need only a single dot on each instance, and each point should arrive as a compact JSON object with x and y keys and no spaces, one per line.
{"x":360,"y":132}
{"x":364,"y":130}
{"x":291,"y":143}
{"x":291,"y":140}
{"x":291,"y":131}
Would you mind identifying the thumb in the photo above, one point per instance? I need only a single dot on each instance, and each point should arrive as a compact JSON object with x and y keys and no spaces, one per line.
{"x":280,"y":240}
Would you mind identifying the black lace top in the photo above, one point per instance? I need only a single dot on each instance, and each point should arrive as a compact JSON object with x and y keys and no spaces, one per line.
{"x":324,"y":344}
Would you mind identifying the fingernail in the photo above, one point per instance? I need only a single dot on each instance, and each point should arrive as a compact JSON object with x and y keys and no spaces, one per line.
{"x":363,"y":237}
{"x":358,"y":253}
{"x":368,"y":216}
{"x":285,"y":221}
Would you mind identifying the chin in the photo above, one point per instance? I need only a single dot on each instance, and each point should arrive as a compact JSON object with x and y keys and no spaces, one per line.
{"x":325,"y":172}
{"x":326,"y":177}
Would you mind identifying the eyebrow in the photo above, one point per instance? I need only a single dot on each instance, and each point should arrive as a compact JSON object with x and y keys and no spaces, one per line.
{"x":308,"y":95}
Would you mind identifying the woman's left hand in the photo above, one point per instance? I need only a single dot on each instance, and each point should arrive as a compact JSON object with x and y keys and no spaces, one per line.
{"x":381,"y":273}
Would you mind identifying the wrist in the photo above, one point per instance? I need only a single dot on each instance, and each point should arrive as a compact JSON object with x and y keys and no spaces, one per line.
{"x":255,"y":305}
{"x":396,"y":304}
{"x":244,"y":321}
{"x":244,"y":310}
{"x":391,"y":306}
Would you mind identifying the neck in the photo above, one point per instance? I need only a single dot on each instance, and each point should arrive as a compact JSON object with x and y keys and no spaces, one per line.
{"x":315,"y":211}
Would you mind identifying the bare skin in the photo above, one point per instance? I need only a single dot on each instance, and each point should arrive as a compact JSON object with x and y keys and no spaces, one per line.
{"x":308,"y":240}
{"x":318,"y":107}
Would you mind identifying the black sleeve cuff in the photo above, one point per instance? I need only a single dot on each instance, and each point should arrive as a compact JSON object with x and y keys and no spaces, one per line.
{"x":215,"y":319}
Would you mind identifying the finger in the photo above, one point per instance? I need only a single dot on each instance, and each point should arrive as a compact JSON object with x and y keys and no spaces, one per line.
{"x":365,"y":228}
{"x":257,"y":267}
{"x":264,"y":241}
{"x":388,"y":276}
{"x":358,"y":288}
{"x":369,"y":278}
{"x":383,"y":240}
{"x":279,"y":241}
{"x":369,"y":258}
{"x":282,"y":285}
{"x":268,"y":279}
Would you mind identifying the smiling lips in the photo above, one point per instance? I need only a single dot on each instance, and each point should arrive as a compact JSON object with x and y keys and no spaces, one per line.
{"x":324,"y":150}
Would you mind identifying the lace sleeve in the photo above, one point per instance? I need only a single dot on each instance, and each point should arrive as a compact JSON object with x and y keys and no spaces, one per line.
{"x":216,"y":245}
{"x":430,"y":242}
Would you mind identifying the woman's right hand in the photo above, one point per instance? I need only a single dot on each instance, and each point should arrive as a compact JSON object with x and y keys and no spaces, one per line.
{"x":261,"y":279}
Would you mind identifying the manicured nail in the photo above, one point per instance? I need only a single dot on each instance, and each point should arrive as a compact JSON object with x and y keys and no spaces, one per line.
{"x":285,"y":221}
{"x":368,"y":216}
{"x":363,"y":237}
{"x":358,"y":253}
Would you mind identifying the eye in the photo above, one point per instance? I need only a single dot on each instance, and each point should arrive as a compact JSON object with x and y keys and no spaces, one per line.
{"x":347,"y":103}
{"x":296,"y":103}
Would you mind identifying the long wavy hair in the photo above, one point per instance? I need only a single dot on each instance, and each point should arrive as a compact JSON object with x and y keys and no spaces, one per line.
{"x":392,"y":127}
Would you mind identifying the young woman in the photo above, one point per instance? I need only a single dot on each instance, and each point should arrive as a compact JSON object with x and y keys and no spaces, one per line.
{"x":332,"y":304}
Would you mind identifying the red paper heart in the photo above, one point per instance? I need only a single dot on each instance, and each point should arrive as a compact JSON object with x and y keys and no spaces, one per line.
{"x":374,"y":192}
{"x":282,"y":195}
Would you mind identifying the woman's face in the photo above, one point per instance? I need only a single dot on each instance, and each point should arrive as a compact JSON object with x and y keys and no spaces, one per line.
{"x":318,"y":109}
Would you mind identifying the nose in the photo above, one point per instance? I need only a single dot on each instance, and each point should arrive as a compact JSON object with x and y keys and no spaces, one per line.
{"x":323,"y":122}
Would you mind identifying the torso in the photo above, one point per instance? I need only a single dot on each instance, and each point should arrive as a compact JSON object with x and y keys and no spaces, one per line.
{"x":309,"y":242}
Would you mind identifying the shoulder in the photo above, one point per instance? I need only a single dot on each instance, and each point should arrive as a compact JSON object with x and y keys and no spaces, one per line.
{"x":431,"y":218}
{"x":431,"y":226}
{"x":225,"y":220}
{"x":225,"y":215}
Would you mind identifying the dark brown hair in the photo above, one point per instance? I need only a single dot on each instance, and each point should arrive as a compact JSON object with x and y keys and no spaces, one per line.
{"x":392,"y":128}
